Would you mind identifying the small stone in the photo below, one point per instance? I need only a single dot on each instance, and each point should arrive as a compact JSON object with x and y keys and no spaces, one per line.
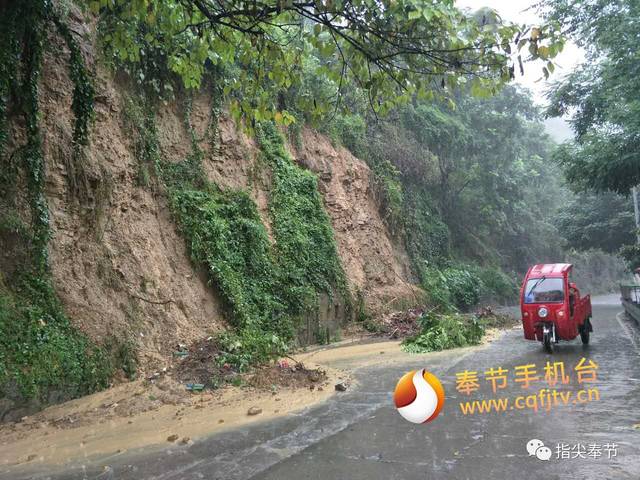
{"x":320,"y":389}
{"x":254,"y":411}
{"x":221,"y":421}
{"x":185,"y":440}
{"x":312,"y":387}
{"x":314,"y":377}
{"x":341,"y":387}
{"x":33,"y":456}
{"x":172,"y":438}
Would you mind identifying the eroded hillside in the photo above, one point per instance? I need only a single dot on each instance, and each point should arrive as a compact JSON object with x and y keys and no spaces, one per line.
{"x":119,"y":265}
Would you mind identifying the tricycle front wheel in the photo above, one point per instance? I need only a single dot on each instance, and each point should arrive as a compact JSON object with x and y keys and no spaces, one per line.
{"x":547,"y":342}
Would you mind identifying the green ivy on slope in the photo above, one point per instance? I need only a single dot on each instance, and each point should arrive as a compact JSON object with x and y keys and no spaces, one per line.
{"x":305,"y":245}
{"x":42,"y":356}
{"x":267,"y":288}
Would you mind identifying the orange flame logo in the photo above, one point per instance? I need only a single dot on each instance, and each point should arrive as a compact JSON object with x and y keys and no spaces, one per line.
{"x":419,"y":396}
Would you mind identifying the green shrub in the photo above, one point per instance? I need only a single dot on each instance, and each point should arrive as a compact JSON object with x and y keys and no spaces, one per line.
{"x":427,"y":237}
{"x":387,"y":178}
{"x":496,"y":285}
{"x":350,"y":132}
{"x":305,"y":247}
{"x":452,"y":288}
{"x":464,"y":287}
{"x":40,"y":351}
{"x":435,"y":285}
{"x":444,"y":331}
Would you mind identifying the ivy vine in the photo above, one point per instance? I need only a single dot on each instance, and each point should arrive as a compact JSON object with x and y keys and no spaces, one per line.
{"x":40,"y":351}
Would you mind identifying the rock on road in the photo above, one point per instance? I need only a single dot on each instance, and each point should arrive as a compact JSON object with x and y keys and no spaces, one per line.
{"x":358,"y":434}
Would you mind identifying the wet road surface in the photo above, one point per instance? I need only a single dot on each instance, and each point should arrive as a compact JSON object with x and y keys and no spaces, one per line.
{"x":359,"y":434}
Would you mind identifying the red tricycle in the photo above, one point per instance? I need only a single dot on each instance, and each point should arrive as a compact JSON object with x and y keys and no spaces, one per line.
{"x":551,"y":306}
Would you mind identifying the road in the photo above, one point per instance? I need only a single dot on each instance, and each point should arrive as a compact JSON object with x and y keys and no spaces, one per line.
{"x":358,"y":435}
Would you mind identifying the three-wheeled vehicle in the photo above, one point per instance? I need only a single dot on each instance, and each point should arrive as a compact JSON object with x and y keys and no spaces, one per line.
{"x":551,"y":306}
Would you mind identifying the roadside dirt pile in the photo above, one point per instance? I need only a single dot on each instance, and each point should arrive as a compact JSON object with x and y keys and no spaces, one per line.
{"x":401,"y":324}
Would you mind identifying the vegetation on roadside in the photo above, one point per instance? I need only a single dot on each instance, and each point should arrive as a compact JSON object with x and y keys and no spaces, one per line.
{"x":600,"y":98}
{"x":42,"y":356}
{"x":463,"y":181}
{"x":266,"y":287}
{"x":444,"y":331}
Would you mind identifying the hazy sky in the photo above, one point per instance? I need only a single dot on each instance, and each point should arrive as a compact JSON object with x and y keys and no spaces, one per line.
{"x":519,"y":11}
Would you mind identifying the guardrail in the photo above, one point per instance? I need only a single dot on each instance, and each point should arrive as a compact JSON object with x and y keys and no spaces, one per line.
{"x":630,"y":297}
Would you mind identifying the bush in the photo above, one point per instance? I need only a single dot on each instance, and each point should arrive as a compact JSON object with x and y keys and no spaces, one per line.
{"x":496,"y":285}
{"x":41,"y":353}
{"x":452,"y":288}
{"x":441,"y":332}
{"x":350,"y":132}
{"x":464,"y":287}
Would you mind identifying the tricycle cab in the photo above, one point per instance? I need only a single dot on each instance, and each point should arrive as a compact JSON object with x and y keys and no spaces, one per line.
{"x":549,"y":301}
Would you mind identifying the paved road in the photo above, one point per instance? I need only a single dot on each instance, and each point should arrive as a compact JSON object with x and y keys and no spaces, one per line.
{"x":359,"y":435}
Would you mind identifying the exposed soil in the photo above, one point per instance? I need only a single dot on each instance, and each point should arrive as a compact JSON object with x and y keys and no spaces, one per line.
{"x":288,"y":374}
{"x":401,"y":324}
{"x":201,"y":365}
{"x":376,"y":264}
{"x":119,"y":265}
{"x":152,"y":411}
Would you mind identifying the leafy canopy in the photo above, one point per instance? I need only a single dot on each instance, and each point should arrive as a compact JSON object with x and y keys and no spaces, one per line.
{"x":392,"y":49}
{"x":601,"y":96}
{"x":603,"y":221}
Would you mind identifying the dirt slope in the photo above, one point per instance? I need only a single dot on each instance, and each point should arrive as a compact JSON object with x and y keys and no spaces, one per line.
{"x":119,"y":265}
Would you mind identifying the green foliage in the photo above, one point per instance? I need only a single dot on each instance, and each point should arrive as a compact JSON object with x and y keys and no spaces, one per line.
{"x":597,"y":221}
{"x":224,"y":231}
{"x":496,"y":285}
{"x":305,"y":246}
{"x":42,"y":356}
{"x":349,"y":131}
{"x":427,"y":237}
{"x":444,"y":331}
{"x":432,"y":49}
{"x":391,"y":198}
{"x":464,"y":287}
{"x":267,"y":288}
{"x":452,"y":288}
{"x":600,"y":95}
{"x":83,"y":91}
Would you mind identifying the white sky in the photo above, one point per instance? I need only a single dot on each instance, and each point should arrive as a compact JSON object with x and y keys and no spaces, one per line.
{"x":518,"y":11}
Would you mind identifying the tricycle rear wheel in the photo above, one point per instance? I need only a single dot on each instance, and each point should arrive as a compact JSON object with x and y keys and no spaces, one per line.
{"x":584,"y":331}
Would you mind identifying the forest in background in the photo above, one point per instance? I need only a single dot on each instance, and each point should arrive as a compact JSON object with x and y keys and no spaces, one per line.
{"x":463,"y":170}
